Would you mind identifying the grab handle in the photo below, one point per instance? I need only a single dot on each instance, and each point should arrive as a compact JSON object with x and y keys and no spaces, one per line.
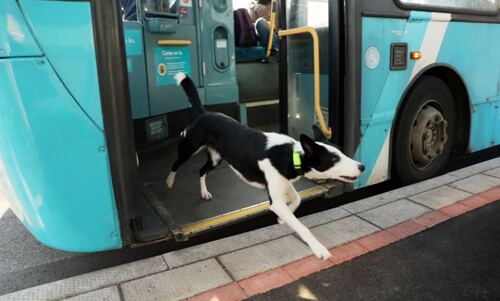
{"x":174,"y":43}
{"x":317,"y":106}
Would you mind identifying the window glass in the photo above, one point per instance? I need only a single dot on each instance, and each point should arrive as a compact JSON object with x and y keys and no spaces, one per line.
{"x":167,"y":7}
{"x":492,"y":5}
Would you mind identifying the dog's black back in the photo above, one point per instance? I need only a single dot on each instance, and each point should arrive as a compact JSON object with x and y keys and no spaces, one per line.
{"x":245,"y":148}
{"x":242,"y":147}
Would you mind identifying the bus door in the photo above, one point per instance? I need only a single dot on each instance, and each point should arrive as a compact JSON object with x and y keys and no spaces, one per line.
{"x":310,"y":85}
{"x":181,"y":208}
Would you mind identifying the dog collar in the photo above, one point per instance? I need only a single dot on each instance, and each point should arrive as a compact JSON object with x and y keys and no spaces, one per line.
{"x":297,"y":162}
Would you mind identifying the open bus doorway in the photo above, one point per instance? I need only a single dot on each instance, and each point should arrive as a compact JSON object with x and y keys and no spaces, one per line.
{"x":180,"y":211}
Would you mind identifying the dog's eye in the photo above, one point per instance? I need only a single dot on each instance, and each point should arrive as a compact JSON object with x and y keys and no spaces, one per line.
{"x":336,"y":159}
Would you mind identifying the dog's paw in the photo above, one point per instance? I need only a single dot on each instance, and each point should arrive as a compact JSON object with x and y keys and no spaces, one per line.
{"x":321,"y":251}
{"x":170,"y":179}
{"x":206,"y":195}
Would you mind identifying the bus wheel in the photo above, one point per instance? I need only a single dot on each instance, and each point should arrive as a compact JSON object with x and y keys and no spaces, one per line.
{"x":424,"y":131}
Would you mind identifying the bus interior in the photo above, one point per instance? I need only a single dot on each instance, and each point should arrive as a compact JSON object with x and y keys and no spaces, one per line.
{"x":198,"y":39}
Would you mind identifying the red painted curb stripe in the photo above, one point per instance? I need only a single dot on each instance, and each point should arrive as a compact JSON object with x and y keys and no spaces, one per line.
{"x":281,"y":276}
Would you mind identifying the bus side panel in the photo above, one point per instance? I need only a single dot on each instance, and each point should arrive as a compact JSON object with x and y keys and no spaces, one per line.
{"x":54,"y":167}
{"x":64,"y":32}
{"x":382,"y":88}
{"x":15,"y":37}
{"x":472,"y":48}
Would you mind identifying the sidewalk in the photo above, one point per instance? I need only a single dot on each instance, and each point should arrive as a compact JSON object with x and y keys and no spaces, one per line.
{"x":251,"y":263}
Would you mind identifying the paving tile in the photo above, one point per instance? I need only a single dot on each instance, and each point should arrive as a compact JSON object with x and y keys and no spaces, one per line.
{"x":491,"y":194}
{"x":257,"y":259}
{"x":176,"y":284}
{"x":324,"y":217}
{"x":343,"y":231}
{"x":306,"y":266}
{"x":406,"y":229}
{"x":432,"y":218}
{"x":222,"y":246}
{"x":394,"y":213}
{"x":477,"y":183}
{"x":427,"y":185}
{"x":91,"y":281}
{"x":475,"y":169}
{"x":347,"y":252}
{"x":455,"y":209}
{"x":397,"y":194}
{"x":474,"y":202}
{"x":231,"y":292}
{"x":106,"y":294}
{"x":377,"y":240}
{"x":440,"y":197}
{"x":493,"y":172}
{"x":265,"y":282}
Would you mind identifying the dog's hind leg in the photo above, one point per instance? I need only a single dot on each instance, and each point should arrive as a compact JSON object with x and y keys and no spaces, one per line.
{"x":171,"y":176}
{"x":213,"y":159}
{"x":184,"y":152}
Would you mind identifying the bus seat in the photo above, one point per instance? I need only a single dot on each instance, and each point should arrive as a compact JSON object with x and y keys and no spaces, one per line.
{"x":245,"y":54}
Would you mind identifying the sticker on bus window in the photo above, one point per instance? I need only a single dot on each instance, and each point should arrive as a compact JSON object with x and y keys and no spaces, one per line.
{"x":169,"y":61}
{"x":183,"y":12}
{"x":186,"y":3}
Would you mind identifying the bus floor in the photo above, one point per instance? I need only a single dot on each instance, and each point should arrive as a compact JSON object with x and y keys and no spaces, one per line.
{"x":180,"y":211}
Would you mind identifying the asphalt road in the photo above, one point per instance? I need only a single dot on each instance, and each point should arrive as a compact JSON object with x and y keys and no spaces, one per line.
{"x":455,"y":260}
{"x":25,"y":262}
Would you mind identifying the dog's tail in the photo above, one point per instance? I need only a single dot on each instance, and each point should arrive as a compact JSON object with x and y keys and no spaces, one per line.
{"x":190,"y":90}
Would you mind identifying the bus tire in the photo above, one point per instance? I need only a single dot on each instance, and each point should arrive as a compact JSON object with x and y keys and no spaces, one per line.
{"x":424,"y":131}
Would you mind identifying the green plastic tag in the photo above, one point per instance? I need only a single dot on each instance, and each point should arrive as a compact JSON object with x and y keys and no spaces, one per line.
{"x":297,"y":163}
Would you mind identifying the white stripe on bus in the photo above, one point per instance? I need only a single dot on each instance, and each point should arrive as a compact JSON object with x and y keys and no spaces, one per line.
{"x":430,"y":47}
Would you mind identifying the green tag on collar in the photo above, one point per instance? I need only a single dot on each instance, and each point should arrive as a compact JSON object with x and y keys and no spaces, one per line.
{"x":297,"y":163}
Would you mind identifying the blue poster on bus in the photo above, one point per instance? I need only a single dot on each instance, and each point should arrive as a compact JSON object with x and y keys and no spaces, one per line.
{"x":133,"y":42}
{"x":169,"y":61}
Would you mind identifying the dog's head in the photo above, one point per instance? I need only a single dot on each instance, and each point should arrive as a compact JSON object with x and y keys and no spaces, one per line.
{"x":323,"y":160}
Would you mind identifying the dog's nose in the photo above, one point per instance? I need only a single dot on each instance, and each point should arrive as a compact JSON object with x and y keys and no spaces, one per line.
{"x":361,"y":167}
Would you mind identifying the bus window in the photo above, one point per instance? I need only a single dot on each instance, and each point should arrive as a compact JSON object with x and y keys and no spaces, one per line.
{"x":164,"y":7}
{"x":491,"y":5}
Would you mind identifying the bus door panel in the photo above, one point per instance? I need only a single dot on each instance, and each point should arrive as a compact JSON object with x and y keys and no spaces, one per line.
{"x":218,"y":52}
{"x":136,"y":69}
{"x":54,"y":166}
{"x":72,"y":58}
{"x":301,"y":86}
{"x":171,"y":46}
{"x":16,"y":40}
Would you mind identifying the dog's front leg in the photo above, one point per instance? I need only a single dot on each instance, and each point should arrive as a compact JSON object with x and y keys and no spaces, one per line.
{"x":277,"y":186}
{"x":281,"y":209}
{"x":295,"y":200}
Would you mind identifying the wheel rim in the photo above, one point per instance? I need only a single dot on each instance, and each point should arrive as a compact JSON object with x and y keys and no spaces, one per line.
{"x":428,"y":135}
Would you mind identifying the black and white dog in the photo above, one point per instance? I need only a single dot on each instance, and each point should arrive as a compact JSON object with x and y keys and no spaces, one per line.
{"x":263,"y":160}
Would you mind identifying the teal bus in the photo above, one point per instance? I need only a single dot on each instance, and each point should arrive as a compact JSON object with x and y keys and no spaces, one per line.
{"x":90,"y":113}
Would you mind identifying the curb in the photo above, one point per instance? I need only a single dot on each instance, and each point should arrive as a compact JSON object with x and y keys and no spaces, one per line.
{"x":286,"y":274}
{"x":241,"y":266}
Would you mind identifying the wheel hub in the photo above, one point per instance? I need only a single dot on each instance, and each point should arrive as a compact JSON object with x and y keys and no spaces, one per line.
{"x":428,"y":137}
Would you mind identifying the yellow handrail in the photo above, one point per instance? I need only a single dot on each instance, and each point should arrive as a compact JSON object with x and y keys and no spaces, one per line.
{"x":174,"y":42}
{"x":271,"y":29}
{"x":317,"y":106}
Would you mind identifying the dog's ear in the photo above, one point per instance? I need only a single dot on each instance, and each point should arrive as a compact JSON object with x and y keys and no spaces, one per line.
{"x":308,"y":145}
{"x":318,"y":134}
